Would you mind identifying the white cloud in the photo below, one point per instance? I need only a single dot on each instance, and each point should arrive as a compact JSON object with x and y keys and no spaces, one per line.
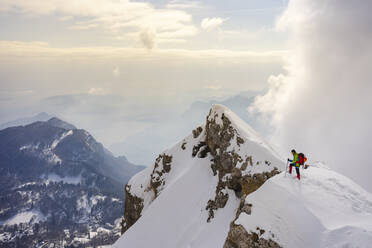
{"x":149,"y":74}
{"x":116,"y":72}
{"x":66,"y":18}
{"x":97,"y":92}
{"x":22,"y":52}
{"x":148,"y":38}
{"x":211,"y":23}
{"x":116,"y":17}
{"x":322,"y":106}
{"x":213,"y":87}
{"x":180,"y":4}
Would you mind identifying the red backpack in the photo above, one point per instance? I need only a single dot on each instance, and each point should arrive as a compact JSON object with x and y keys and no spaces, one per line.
{"x":302,"y":158}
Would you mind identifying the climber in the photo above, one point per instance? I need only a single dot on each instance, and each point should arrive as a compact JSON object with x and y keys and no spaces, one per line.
{"x":295,"y":162}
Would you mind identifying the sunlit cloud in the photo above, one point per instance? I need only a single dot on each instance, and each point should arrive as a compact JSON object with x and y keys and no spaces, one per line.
{"x":116,"y":17}
{"x":21,"y":51}
{"x":180,"y":4}
{"x":97,"y":91}
{"x":147,"y":38}
{"x":66,"y":18}
{"x":211,"y":23}
{"x":116,"y":72}
{"x":213,"y":87}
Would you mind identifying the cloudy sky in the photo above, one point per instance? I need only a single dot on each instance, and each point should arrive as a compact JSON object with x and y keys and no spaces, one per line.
{"x":125,"y":64}
{"x":145,"y":48}
{"x":101,"y":63}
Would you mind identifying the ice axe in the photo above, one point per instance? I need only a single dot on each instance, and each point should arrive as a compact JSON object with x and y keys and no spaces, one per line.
{"x":286,"y":167}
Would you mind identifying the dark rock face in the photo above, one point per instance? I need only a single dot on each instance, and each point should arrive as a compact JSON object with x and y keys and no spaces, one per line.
{"x":197,"y":132}
{"x":133,"y":209}
{"x":161,"y":168}
{"x":238,"y":237}
{"x":63,"y":177}
{"x":133,"y":204}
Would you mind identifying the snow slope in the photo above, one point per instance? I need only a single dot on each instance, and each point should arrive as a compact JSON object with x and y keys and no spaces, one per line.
{"x":324,"y":209}
{"x":178,"y":216}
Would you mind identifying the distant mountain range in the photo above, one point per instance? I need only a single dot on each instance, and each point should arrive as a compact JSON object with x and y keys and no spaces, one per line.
{"x":59,"y":186}
{"x":143,"y":147}
{"x":26,"y":120}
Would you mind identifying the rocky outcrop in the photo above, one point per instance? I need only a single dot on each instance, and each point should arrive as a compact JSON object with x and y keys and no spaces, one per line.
{"x":238,"y":237}
{"x":161,"y":168}
{"x":134,"y":205}
{"x":220,"y":135}
{"x":196,"y":132}
{"x":132,"y":211}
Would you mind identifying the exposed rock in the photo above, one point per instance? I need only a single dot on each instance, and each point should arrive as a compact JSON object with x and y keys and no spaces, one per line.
{"x":132,"y":211}
{"x":183,"y":146}
{"x":239,"y":141}
{"x":251,"y":183}
{"x":219,"y":137}
{"x":197,"y":148}
{"x":162,"y":166}
{"x":133,"y":204}
{"x":248,"y":160}
{"x":219,"y":202}
{"x":197,"y":132}
{"x":243,"y":208}
{"x":238,"y":237}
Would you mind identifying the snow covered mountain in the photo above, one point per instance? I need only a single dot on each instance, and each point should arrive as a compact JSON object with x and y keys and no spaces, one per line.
{"x":59,"y":186}
{"x":223,"y":186}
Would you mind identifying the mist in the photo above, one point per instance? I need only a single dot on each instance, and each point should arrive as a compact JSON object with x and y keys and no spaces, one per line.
{"x":322,"y":104}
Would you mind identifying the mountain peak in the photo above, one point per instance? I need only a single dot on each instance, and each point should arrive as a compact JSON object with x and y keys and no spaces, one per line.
{"x":211,"y":169}
{"x":56,"y":122}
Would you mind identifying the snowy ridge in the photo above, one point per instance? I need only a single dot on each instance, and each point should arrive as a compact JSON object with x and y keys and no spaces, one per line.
{"x":324,"y":209}
{"x":189,"y":198}
{"x":179,"y":211}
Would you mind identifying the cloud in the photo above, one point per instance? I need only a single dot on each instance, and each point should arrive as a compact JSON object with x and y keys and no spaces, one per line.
{"x":147,"y":38}
{"x":115,"y":17}
{"x":66,"y":18}
{"x":179,"y":4}
{"x":23,"y":52}
{"x":211,"y":23}
{"x":97,"y":92}
{"x":116,"y":72}
{"x":169,"y":74}
{"x":322,"y":105}
{"x":213,"y":87}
